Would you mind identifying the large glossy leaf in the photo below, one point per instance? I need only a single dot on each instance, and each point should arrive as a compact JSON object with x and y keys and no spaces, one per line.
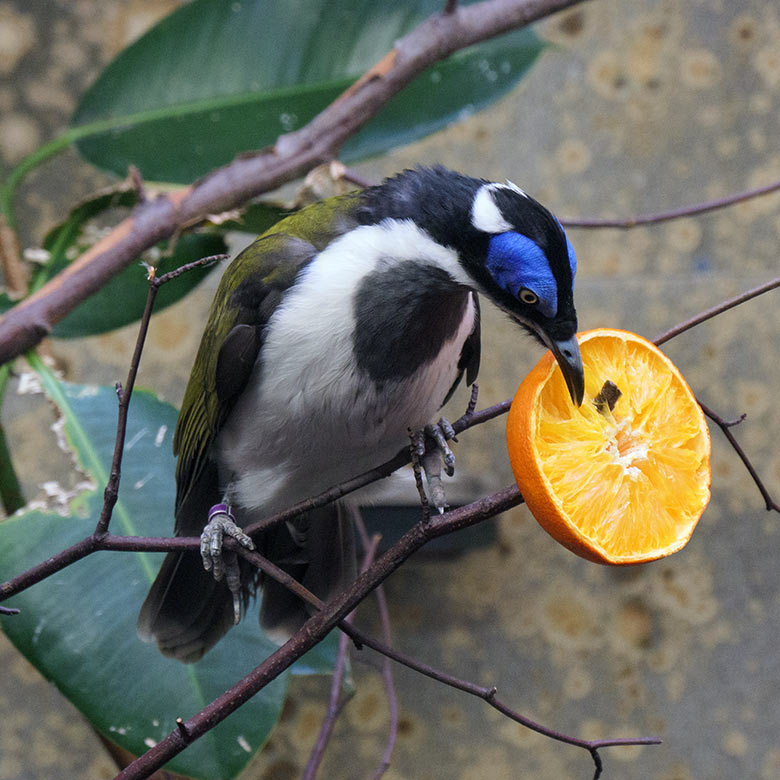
{"x":122,"y":300}
{"x":217,"y":78}
{"x":78,"y":627}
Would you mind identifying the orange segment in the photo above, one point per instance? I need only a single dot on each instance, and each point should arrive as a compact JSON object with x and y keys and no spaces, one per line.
{"x":623,"y":485}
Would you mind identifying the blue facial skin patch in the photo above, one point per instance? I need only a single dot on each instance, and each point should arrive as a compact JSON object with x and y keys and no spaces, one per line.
{"x":515,"y":261}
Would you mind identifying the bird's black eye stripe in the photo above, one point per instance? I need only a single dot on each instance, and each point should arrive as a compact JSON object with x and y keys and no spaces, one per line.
{"x":528,"y":296}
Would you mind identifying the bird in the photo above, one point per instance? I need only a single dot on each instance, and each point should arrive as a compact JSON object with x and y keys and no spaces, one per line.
{"x":340,"y":329}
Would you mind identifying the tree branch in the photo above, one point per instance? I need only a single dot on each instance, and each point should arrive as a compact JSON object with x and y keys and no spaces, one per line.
{"x":293,"y":154}
{"x":726,"y":426}
{"x":719,"y":309}
{"x":315,"y":629}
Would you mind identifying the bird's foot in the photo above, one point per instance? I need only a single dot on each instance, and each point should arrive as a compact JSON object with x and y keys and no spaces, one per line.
{"x":431,"y":459}
{"x":223,"y":564}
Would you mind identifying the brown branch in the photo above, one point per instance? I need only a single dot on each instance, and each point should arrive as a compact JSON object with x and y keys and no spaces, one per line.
{"x":725,"y":426}
{"x":489,"y":695}
{"x":111,"y":492}
{"x":665,"y":216}
{"x":315,"y":629}
{"x":336,"y":703}
{"x":292,"y":155}
{"x":486,"y":693}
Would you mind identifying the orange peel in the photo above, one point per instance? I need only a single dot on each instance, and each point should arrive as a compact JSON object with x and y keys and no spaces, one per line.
{"x":618,"y":480}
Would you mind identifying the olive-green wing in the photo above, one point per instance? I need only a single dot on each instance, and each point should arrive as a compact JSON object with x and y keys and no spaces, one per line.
{"x":251,"y":289}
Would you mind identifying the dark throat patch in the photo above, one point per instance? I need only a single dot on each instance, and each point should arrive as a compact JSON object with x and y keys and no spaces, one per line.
{"x":404,"y":314}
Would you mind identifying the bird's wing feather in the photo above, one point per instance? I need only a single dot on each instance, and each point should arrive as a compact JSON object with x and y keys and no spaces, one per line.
{"x":469,"y":354}
{"x":251,"y":289}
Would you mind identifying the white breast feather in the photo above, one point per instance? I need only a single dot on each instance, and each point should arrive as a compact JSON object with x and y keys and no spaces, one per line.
{"x":311,"y":420}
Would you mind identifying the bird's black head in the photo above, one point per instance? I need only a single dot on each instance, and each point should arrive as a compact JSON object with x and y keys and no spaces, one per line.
{"x":513,"y":248}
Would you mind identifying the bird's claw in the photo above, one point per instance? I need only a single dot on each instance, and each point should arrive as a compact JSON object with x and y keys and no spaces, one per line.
{"x":431,"y":459}
{"x":442,"y":432}
{"x":223,"y":564}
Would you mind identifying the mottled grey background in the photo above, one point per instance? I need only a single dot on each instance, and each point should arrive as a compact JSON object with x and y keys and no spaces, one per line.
{"x":638,"y":107}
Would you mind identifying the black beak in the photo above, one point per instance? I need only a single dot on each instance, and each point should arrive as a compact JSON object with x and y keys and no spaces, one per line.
{"x":567,"y":353}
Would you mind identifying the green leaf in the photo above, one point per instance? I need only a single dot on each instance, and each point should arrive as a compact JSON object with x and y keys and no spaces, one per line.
{"x":122,"y":300}
{"x":78,"y":627}
{"x":70,"y":232}
{"x":211,"y":81}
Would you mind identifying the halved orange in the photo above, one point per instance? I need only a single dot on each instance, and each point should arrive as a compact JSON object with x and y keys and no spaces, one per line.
{"x":616,"y":481}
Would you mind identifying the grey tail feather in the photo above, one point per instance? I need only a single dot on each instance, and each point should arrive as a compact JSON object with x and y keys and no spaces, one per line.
{"x":186,"y":611}
{"x":318,"y":549}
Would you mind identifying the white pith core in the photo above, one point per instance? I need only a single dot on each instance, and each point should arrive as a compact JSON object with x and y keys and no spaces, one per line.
{"x":627,"y":447}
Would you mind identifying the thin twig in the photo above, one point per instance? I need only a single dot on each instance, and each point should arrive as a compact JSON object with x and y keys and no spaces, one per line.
{"x":187,"y":267}
{"x":726,"y":426}
{"x":486,"y":693}
{"x":684,"y":211}
{"x":716,"y":310}
{"x":111,"y":492}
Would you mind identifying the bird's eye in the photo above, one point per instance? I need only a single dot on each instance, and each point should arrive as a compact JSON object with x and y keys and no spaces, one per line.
{"x":528,"y":296}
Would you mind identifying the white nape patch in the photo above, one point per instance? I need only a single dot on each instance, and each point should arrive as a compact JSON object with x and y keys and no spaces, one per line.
{"x":485,"y":214}
{"x":397,"y":240}
{"x":512,"y":186}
